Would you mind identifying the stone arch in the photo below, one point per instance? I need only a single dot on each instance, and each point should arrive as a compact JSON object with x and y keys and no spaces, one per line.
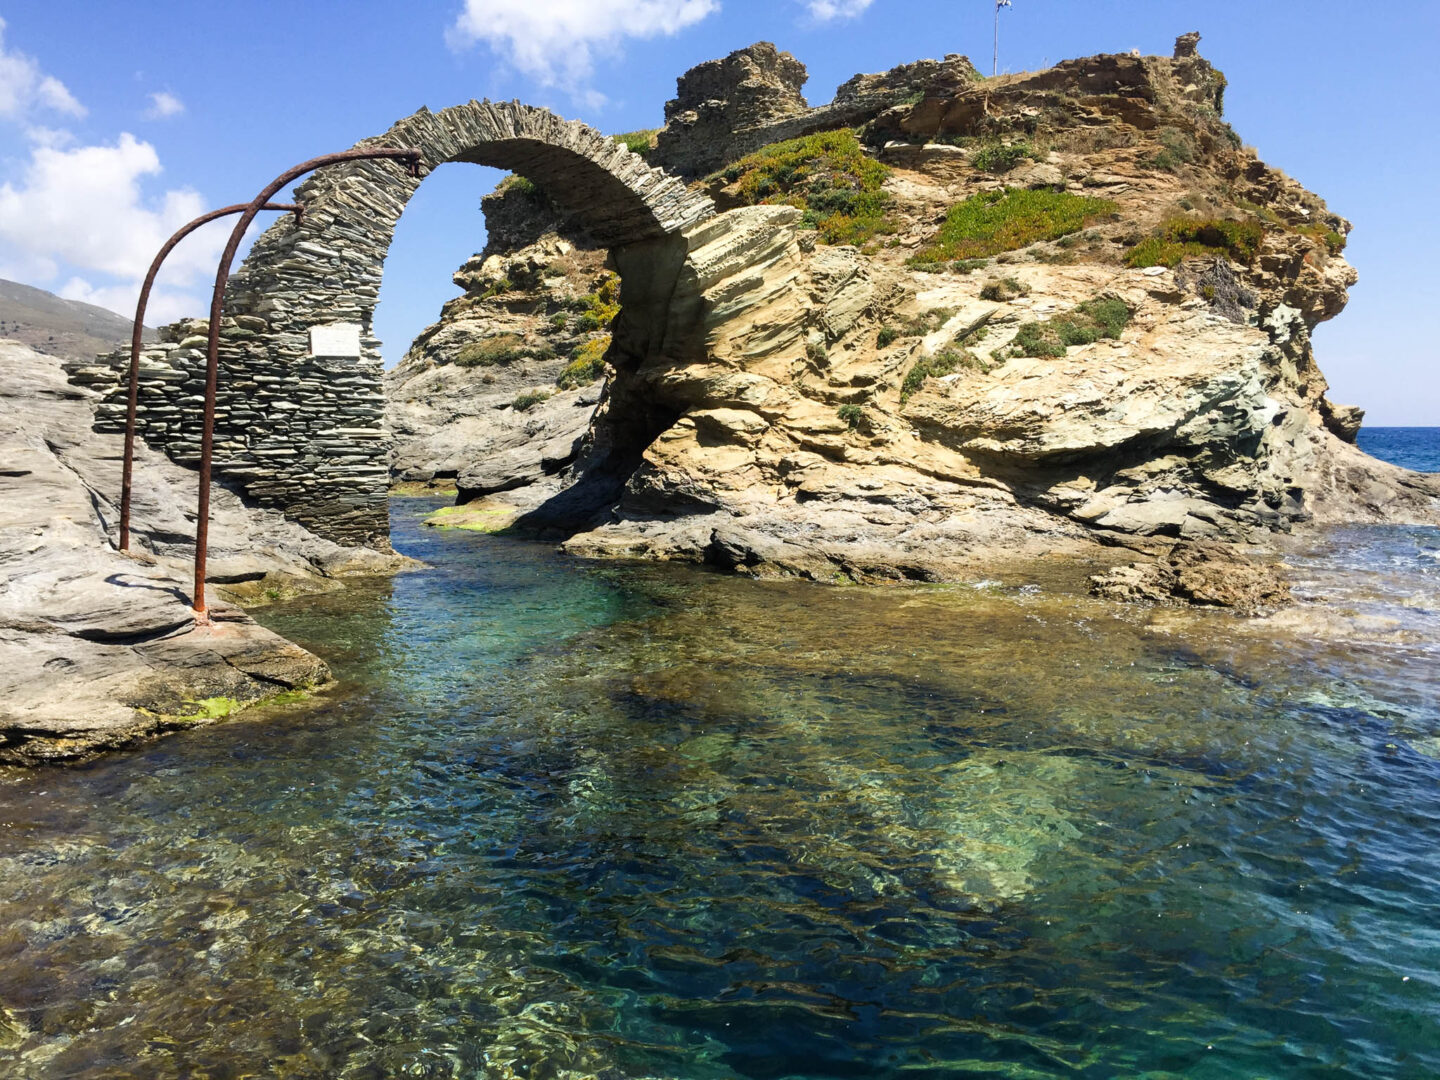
{"x":328,"y":267}
{"x":300,"y":422}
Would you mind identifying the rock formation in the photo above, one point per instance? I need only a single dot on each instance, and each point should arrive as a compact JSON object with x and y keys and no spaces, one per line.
{"x":1019,"y":315}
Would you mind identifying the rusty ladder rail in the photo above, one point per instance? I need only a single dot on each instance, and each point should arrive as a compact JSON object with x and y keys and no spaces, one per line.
{"x":133,"y":400}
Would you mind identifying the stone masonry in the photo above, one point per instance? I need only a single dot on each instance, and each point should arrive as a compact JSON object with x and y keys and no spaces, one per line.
{"x":300,"y":413}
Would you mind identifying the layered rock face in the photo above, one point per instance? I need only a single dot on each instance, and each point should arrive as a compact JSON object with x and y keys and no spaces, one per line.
{"x":1077,"y":311}
{"x":498,"y":395}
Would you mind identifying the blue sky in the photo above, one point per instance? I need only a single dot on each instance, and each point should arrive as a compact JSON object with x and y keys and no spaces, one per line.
{"x":120,"y":121}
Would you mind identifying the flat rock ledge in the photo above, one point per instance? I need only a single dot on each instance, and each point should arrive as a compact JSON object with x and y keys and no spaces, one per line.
{"x":119,"y":691}
{"x":100,"y":650}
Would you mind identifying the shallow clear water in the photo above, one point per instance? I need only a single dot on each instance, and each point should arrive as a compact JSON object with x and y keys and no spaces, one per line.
{"x":575,"y":819}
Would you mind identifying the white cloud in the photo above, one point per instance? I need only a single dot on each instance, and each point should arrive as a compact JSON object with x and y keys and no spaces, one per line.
{"x":163,"y":104}
{"x":82,"y":208}
{"x":24,"y":88}
{"x":164,"y":305}
{"x":829,"y":10}
{"x":555,"y":41}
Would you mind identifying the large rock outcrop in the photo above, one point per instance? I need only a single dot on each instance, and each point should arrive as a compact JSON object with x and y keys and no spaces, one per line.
{"x":883,"y":410}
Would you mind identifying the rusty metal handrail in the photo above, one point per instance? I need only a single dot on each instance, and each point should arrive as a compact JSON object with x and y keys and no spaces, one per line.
{"x":411,"y":157}
{"x":133,"y":401}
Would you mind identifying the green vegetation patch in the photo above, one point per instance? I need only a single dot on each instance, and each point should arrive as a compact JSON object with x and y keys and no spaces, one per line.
{"x":597,"y":310}
{"x":852,"y":415}
{"x":997,"y":158}
{"x":1186,"y":238}
{"x":528,"y":400}
{"x":1088,"y":322}
{"x":996,"y":221}
{"x":587,"y":363}
{"x":519,"y":185}
{"x":638,"y":142}
{"x":500,"y":349}
{"x":828,"y":176}
{"x":945,"y":362}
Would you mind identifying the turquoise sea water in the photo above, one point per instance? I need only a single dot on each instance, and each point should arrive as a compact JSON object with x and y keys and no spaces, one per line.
{"x":569,"y":819}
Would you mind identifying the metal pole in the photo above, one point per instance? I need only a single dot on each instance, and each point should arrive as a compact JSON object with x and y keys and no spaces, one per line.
{"x":132,"y":405}
{"x":995,"y":64}
{"x":410,"y":156}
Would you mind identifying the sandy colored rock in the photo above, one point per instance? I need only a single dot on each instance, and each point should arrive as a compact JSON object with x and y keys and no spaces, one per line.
{"x":1199,"y":572}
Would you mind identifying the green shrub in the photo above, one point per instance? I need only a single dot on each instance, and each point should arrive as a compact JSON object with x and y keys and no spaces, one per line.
{"x":519,"y":185}
{"x":852,"y":415}
{"x":499,"y":349}
{"x":1184,"y":238}
{"x":828,"y":176}
{"x":886,"y":336}
{"x":528,"y":400}
{"x":1112,"y":316}
{"x":999,"y":158}
{"x":943,"y":363}
{"x":1088,"y":322}
{"x":1037,"y":339}
{"x":1176,"y":148}
{"x":587,"y":363}
{"x":504,"y":285}
{"x":997,"y":221}
{"x":816,"y":352}
{"x":597,"y":310}
{"x":559,"y":320}
{"x":638,"y":142}
{"x":1004,"y":289}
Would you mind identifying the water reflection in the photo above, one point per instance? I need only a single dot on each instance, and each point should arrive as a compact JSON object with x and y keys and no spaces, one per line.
{"x":576,"y":820}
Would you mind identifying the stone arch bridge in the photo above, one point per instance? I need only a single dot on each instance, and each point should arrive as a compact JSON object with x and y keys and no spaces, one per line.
{"x":300,"y":412}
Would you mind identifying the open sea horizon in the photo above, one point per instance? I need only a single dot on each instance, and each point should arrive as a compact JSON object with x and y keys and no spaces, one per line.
{"x":1415,"y":448}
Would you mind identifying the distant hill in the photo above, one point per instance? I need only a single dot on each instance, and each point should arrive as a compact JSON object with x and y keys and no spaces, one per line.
{"x":68,"y":328}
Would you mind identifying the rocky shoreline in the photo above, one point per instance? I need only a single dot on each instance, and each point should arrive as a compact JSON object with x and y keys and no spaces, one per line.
{"x":941,"y":328}
{"x":98,"y":649}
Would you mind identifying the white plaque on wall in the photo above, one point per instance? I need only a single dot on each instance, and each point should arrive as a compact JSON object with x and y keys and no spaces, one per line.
{"x":335,"y":339}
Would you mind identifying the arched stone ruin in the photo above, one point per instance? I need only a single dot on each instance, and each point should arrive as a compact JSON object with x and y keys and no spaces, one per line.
{"x":300,"y":412}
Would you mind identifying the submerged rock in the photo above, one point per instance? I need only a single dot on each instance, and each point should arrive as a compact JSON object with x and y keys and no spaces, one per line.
{"x":1199,"y":572}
